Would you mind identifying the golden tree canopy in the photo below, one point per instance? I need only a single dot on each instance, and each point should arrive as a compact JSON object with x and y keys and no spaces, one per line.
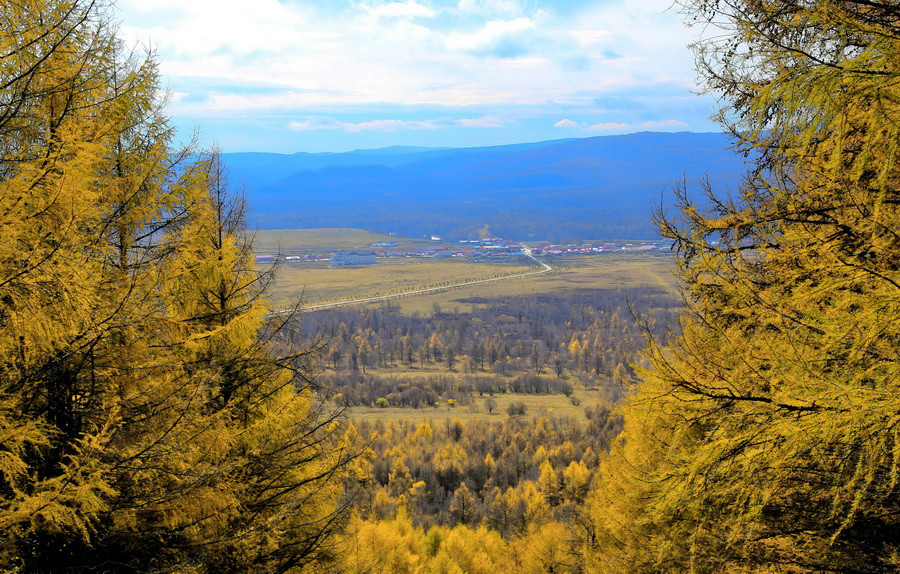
{"x":765,"y":438}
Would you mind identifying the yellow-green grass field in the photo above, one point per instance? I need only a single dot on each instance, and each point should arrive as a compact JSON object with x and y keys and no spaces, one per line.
{"x":287,"y":241}
{"x":569,"y":274}
{"x":556,"y":405}
{"x":312,"y":283}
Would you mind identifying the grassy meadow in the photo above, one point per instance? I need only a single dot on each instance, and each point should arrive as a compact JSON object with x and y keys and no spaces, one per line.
{"x":289,"y":241}
{"x":556,"y":405}
{"x":311,"y":283}
{"x":569,"y":275}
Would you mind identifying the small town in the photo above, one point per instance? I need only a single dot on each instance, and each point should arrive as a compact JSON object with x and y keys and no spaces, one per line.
{"x":488,"y":249}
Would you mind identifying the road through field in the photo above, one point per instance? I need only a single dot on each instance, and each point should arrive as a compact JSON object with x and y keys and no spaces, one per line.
{"x":527,"y":252}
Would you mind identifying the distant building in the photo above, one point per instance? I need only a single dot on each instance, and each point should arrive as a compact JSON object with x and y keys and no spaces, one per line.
{"x":353,"y":258}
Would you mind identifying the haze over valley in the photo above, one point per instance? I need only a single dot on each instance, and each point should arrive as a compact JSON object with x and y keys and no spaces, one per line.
{"x":589,"y":188}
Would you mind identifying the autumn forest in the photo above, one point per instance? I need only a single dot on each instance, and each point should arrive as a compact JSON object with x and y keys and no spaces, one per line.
{"x":155,"y":416}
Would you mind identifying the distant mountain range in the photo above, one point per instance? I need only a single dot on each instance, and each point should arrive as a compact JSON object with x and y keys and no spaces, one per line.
{"x":600,"y":187}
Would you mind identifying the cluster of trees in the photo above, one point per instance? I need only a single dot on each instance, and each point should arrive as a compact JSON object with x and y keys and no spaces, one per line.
{"x":475,"y":496}
{"x":766,"y":437}
{"x":591,"y":335}
{"x":400,"y":547}
{"x":416,"y":392}
{"x":150,"y":418}
{"x":510,"y":475}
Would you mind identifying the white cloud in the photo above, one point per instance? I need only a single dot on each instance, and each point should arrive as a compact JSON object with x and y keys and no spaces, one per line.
{"x":507,"y":8}
{"x":591,"y":37}
{"x":622,"y":126}
{"x":484,"y":122}
{"x":609,"y":127}
{"x":663,"y":124}
{"x":304,"y":58}
{"x":486,"y":38}
{"x":389,"y":125}
{"x":566,"y":123}
{"x":409,"y":9}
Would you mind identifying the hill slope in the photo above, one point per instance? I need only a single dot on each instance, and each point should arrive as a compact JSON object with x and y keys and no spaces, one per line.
{"x":581,"y":188}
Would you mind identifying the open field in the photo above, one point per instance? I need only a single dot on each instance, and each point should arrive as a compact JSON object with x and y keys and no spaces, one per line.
{"x":314,"y":283}
{"x":557,"y":405}
{"x":289,"y":241}
{"x":568,"y":276}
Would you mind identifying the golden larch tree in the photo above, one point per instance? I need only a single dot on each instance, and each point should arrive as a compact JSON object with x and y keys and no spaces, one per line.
{"x":765,"y":438}
{"x":151,"y":417}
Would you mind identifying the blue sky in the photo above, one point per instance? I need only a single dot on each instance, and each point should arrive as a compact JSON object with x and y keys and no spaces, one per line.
{"x":336,"y":75}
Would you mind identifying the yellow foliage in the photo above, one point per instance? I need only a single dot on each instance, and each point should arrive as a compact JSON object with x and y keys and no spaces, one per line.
{"x":546,"y":549}
{"x":574,"y":346}
{"x":424,"y":432}
{"x":397,"y":546}
{"x":388,"y":546}
{"x":146,"y":412}
{"x":577,"y":479}
{"x":765,"y":437}
{"x":548,"y":481}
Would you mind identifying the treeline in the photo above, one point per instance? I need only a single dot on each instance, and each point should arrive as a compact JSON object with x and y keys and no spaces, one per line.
{"x":416,"y":392}
{"x":524,"y":344}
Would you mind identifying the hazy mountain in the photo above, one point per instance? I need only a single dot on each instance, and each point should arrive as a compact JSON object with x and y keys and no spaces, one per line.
{"x":576,"y":188}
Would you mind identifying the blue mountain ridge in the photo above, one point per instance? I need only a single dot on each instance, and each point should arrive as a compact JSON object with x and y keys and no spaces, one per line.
{"x":599,"y":187}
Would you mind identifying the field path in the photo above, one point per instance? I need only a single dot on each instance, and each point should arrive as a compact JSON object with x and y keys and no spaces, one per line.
{"x":527,"y":252}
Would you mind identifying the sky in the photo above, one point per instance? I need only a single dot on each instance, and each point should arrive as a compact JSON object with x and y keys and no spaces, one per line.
{"x":336,"y":75}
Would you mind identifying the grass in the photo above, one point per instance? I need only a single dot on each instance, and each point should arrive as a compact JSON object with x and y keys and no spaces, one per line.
{"x":536,"y":406}
{"x":289,"y":241}
{"x":569,"y":275}
{"x":315,"y":282}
